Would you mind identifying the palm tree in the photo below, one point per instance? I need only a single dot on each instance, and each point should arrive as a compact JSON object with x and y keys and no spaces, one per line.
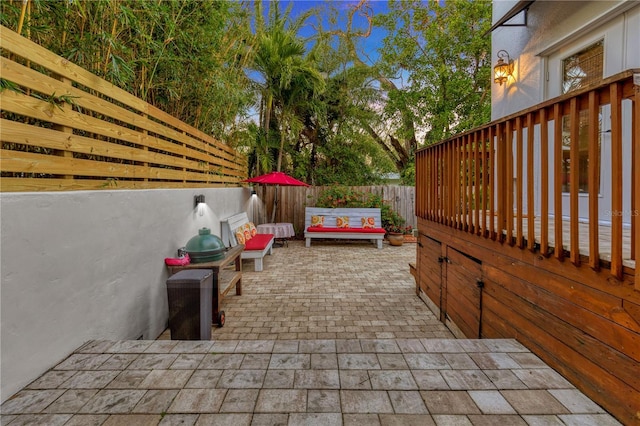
{"x":288,"y":79}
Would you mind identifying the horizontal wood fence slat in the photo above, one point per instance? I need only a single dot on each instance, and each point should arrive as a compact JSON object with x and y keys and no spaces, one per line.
{"x":61,"y":123}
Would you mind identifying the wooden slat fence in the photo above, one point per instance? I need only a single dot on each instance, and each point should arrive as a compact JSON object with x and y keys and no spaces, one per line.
{"x":292,"y":201}
{"x":63,"y":128}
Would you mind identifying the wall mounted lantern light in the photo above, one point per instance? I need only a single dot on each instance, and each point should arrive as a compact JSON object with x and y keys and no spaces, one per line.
{"x":198,"y":199}
{"x":503,"y":69}
{"x":253,"y":192}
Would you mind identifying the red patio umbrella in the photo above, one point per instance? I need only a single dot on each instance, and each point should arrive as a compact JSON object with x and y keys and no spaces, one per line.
{"x":276,"y":178}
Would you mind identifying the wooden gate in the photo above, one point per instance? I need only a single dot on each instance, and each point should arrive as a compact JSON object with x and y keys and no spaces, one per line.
{"x":463,"y":298}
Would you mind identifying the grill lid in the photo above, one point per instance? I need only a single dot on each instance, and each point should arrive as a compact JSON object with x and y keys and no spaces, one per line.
{"x":205,"y":247}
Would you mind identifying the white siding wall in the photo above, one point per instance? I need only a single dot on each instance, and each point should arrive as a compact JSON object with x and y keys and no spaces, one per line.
{"x":78,"y":266}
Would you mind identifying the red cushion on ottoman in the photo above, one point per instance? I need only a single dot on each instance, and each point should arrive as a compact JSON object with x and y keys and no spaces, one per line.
{"x":343,"y":230}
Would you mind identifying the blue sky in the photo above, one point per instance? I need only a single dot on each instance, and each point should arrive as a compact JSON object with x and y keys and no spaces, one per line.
{"x":370,"y":45}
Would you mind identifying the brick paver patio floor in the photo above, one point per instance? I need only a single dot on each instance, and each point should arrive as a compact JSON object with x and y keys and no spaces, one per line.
{"x":328,"y":335}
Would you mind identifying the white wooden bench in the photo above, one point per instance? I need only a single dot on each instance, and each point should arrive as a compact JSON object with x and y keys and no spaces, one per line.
{"x":256,"y":248}
{"x":355,"y":231}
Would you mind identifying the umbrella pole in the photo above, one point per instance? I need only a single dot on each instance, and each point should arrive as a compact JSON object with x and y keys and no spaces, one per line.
{"x":275,"y":205}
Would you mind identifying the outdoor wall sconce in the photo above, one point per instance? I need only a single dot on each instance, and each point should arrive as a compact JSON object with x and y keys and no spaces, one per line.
{"x":198,"y":199}
{"x":503,"y":69}
{"x":253,"y":192}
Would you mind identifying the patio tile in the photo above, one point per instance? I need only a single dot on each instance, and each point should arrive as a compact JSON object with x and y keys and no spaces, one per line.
{"x":323,"y":401}
{"x":41,"y":419}
{"x":51,"y":379}
{"x":281,"y":400}
{"x":90,"y":379}
{"x":358,"y":361}
{"x":285,"y":346}
{"x":460,"y":361}
{"x":473,"y":345}
{"x":527,"y":360}
{"x":407,"y":402}
{"x":315,"y":419}
{"x":222,"y":346}
{"x":451,"y":420}
{"x":279,"y":379}
{"x":365,"y":401}
{"x":290,"y":361}
{"x":406,"y":420}
{"x":129,"y":346}
{"x":82,"y":362}
{"x":155,"y":401}
{"x":133,"y":419}
{"x":239,"y":401}
{"x":71,"y":401}
{"x":494,"y":419}
{"x":348,"y":346}
{"x":270,"y":420}
{"x":542,"y":378}
{"x":96,"y":346}
{"x":449,"y":402}
{"x":161,"y":346}
{"x":504,"y":345}
{"x":491,"y":402}
{"x":426,"y":361}
{"x":504,"y":379}
{"x":534,"y":402}
{"x":317,"y":346}
{"x":221,"y":361}
{"x":317,"y":379}
{"x":467,"y":379}
{"x":588,"y":420}
{"x":247,"y":379}
{"x":202,"y":379}
{"x":118,"y":362}
{"x":255,"y":346}
{"x":224,"y":419}
{"x":192,"y":347}
{"x":109,"y":401}
{"x":354,"y":379}
{"x":543,"y":420}
{"x":129,"y":379}
{"x":441,"y":345}
{"x":380,"y":346}
{"x":392,"y":362}
{"x":410,"y":346}
{"x":87,"y":420}
{"x":166,"y":379}
{"x":494,"y":361}
{"x":197,"y":401}
{"x":575,"y":401}
{"x":30,"y":401}
{"x":324,"y":361}
{"x":153,"y":362}
{"x":187,"y":362}
{"x":392,"y":380}
{"x":429,"y":380}
{"x":360,"y":419}
{"x":255,"y":361}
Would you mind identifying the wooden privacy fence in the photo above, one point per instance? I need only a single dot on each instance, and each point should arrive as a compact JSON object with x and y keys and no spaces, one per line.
{"x":63,"y":128}
{"x":498,"y":181}
{"x":292,"y":201}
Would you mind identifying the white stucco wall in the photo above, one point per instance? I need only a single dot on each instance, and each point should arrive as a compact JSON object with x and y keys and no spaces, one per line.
{"x":556,"y":30}
{"x":78,"y":266}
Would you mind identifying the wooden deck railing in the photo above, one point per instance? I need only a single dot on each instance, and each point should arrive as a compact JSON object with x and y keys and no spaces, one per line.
{"x":63,"y":128}
{"x":497,"y":181}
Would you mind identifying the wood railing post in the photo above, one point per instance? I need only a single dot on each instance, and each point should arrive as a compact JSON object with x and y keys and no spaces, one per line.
{"x":616,"y":180}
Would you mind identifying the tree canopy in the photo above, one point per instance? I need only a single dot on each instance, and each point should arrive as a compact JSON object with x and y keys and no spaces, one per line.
{"x":322,"y":108}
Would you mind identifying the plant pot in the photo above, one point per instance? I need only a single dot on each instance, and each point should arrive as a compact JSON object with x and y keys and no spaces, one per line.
{"x":395,"y":239}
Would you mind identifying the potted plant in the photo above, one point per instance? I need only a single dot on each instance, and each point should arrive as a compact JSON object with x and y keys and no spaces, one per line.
{"x":396,"y":231}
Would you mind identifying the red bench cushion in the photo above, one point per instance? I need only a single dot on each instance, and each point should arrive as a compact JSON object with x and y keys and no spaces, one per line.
{"x":353,"y":230}
{"x":258,"y":242}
